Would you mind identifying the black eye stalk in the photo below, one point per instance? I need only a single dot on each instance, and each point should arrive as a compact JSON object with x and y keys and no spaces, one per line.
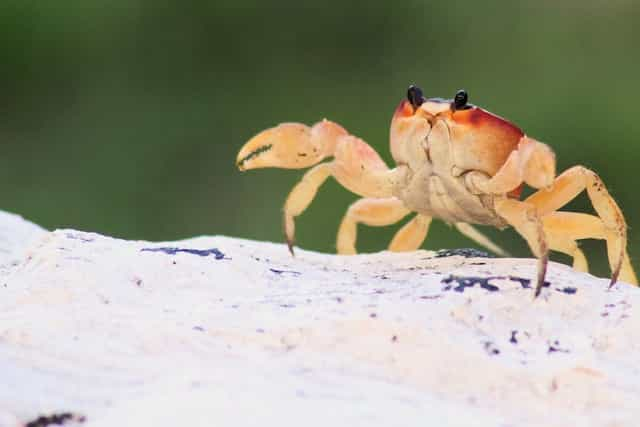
{"x":460,"y":101}
{"x":415,"y":97}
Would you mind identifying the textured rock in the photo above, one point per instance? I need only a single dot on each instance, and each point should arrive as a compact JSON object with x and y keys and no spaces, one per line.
{"x":223,"y":331}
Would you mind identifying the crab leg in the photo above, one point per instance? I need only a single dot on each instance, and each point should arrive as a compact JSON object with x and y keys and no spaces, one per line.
{"x":301,"y":196}
{"x":475,"y":235}
{"x":525,"y":219}
{"x":565,"y":244}
{"x":563,"y":229}
{"x":411,"y":236}
{"x":369,"y":211}
{"x":356,"y":165}
{"x":565,"y":188}
{"x":380,"y":212}
{"x":532,"y":162}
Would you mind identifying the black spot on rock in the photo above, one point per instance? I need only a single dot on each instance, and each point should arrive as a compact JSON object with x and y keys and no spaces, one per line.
{"x":513,"y":339}
{"x":294,"y":273}
{"x":554,"y":347}
{"x":431,"y":296}
{"x":79,"y":236}
{"x":55,"y":419}
{"x":464,"y":252}
{"x":568,"y":290}
{"x":200,"y":252}
{"x":469,"y":282}
{"x":526,"y":283}
{"x":491,"y":349}
{"x":484,"y":282}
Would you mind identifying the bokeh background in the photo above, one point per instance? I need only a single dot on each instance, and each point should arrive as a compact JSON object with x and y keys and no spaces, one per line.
{"x":125,"y":116}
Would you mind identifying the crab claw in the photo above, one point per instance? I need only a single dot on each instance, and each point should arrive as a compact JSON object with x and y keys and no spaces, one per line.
{"x":290,"y":146}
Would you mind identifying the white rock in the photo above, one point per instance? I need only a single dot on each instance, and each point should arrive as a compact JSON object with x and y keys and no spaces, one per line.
{"x":125,"y":336}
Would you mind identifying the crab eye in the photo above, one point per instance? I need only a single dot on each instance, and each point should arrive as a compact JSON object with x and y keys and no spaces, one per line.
{"x":460,"y":100}
{"x":414,"y":95}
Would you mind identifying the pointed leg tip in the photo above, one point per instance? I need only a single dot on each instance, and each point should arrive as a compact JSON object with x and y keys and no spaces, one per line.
{"x":542,"y":274}
{"x":614,"y":276}
{"x":290,"y":246}
{"x":538,"y":290}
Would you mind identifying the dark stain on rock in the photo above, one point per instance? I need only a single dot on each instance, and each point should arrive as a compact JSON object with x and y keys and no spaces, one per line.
{"x":513,"y":339}
{"x":78,"y":236}
{"x":526,"y":283}
{"x":294,"y":273}
{"x":568,"y":290}
{"x":431,"y":296}
{"x":554,"y":347}
{"x":200,"y":252}
{"x":464,"y":252}
{"x":491,"y":349}
{"x":198,"y":328}
{"x":484,"y":282}
{"x":55,"y":419}
{"x":469,"y":282}
{"x":394,"y":338}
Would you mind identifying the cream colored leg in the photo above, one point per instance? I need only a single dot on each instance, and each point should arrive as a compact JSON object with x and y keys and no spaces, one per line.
{"x":564,"y":228}
{"x":376,"y":212}
{"x":411,"y":236}
{"x":473,"y":234}
{"x":564,"y":243}
{"x":301,"y":196}
{"x":571,"y":183}
{"x":532,"y":162}
{"x":525,"y":219}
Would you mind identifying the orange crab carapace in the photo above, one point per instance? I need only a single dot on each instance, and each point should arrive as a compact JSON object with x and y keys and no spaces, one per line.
{"x":455,"y":162}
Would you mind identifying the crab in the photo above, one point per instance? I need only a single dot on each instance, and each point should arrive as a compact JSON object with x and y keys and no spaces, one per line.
{"x":455,"y":162}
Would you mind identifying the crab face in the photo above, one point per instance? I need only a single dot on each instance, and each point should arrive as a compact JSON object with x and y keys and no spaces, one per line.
{"x":478,"y":139}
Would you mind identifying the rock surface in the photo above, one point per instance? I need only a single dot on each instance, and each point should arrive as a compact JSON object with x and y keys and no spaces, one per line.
{"x":223,"y":331}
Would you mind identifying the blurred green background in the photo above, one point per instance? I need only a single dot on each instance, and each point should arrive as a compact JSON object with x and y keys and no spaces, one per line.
{"x":124,"y":117}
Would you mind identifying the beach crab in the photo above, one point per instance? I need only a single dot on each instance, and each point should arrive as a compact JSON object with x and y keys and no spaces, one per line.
{"x":455,"y":162}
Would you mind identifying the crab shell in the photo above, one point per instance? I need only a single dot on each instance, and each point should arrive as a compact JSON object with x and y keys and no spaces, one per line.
{"x":438,"y":145}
